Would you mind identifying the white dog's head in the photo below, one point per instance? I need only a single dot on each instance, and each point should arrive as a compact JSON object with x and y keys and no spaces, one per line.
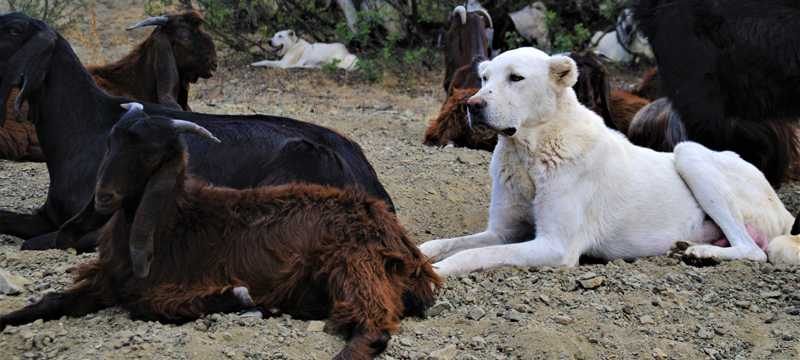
{"x":282,"y":41}
{"x":520,"y":88}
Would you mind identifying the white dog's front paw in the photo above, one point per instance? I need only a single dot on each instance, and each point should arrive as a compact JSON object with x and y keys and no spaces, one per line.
{"x":435,"y":249}
{"x":717,"y":253}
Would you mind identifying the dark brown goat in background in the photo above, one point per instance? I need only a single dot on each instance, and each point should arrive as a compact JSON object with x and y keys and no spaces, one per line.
{"x":178,"y":248}
{"x":159,"y":70}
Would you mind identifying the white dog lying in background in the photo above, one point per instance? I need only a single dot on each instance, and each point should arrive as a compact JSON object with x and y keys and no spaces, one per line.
{"x":298,"y":53}
{"x":595,"y":192}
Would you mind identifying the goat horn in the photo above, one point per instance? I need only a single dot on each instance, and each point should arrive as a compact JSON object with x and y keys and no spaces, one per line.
{"x":462,"y":12}
{"x":184,"y":126}
{"x":132,"y":106}
{"x":151,"y":21}
{"x":486,"y":15}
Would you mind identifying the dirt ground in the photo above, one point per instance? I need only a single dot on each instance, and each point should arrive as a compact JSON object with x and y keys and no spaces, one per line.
{"x":651,"y":308}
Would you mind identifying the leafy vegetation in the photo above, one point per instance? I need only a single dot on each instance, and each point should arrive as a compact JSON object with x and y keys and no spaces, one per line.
{"x":58,"y":13}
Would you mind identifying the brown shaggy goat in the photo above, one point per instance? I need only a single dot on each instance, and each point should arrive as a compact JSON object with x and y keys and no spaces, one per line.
{"x":178,"y":248}
{"x":624,"y":106}
{"x":159,"y":70}
{"x":178,"y":52}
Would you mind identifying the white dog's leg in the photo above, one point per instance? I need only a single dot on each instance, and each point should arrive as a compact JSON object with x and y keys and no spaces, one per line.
{"x":538,"y":252}
{"x":442,"y":248}
{"x":699,"y":168}
{"x":268,"y":63}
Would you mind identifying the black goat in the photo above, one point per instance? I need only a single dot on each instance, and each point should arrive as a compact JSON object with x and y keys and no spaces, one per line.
{"x":732,"y":72}
{"x":73,"y":117}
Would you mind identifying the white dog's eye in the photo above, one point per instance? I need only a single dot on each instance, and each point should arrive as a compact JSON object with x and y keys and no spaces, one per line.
{"x":515,"y":78}
{"x":484,"y":79}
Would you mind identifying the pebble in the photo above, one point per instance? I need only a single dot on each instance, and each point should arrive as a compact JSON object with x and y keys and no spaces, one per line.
{"x":592,"y":283}
{"x":646,"y":320}
{"x":10,"y":284}
{"x":446,"y":353}
{"x":659,"y":354}
{"x":513,"y":316}
{"x":770,"y":294}
{"x":563,"y":319}
{"x":476,"y":313}
{"x":795,"y":311}
{"x":315,"y":326}
{"x":439,"y":308}
{"x":705,"y":334}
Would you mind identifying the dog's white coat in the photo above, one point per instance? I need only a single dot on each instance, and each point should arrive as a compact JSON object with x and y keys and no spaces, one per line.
{"x":595,"y":192}
{"x":298,"y":53}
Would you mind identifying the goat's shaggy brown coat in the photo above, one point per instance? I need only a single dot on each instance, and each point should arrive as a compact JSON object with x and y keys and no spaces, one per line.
{"x":450,"y":126}
{"x":18,"y":139}
{"x":308,"y":250}
{"x":624,"y":106}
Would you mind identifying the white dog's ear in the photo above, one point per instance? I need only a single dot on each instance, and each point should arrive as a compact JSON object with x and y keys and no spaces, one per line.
{"x":482,"y":66}
{"x":563,"y":71}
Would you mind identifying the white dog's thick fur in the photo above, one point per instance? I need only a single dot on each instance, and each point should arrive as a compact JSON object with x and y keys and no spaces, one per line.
{"x":596,"y":193}
{"x":298,"y":53}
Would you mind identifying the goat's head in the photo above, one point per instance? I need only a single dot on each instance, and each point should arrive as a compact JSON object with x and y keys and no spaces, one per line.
{"x":26,"y":46}
{"x":467,"y":38}
{"x":140,"y":170}
{"x":193,"y":48}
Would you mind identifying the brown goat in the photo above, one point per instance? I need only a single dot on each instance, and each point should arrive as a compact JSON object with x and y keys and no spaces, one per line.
{"x":178,"y":248}
{"x":159,"y":70}
{"x":451,"y":127}
{"x":466,"y":39}
{"x":624,"y":106}
{"x":178,"y":52}
{"x":650,"y":85}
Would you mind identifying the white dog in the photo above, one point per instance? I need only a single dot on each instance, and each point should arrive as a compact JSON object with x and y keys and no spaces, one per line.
{"x":298,"y":53}
{"x":595,"y":192}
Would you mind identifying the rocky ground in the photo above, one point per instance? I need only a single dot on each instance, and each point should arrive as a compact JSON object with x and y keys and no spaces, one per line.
{"x":651,"y":308}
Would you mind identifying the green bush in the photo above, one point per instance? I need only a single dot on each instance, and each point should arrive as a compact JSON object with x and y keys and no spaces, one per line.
{"x":60,"y":14}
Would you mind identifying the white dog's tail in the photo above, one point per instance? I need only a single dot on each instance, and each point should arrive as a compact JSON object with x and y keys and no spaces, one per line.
{"x":786,"y":249}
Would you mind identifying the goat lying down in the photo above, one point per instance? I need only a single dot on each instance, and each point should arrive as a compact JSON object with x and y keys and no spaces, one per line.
{"x":177,"y":248}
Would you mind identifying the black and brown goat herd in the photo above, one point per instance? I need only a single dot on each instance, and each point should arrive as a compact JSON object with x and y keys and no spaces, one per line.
{"x":297,"y":219}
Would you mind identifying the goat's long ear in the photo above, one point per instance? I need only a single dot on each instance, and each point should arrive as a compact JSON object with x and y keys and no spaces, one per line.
{"x":168,"y":80}
{"x":158,"y":195}
{"x":27,"y":67}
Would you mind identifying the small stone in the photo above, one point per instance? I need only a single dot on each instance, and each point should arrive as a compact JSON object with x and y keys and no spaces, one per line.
{"x":563,"y":319}
{"x":795,"y":311}
{"x":10,"y":284}
{"x":476,"y":313}
{"x":770,"y":294}
{"x":227,"y":336}
{"x":705,"y":334}
{"x":513,"y":316}
{"x":646,"y":320}
{"x":439,"y":308}
{"x":315,"y":326}
{"x":405,"y":341}
{"x":446,"y":353}
{"x":659,"y":354}
{"x":592,"y":283}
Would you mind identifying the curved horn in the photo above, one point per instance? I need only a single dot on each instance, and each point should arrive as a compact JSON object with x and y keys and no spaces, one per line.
{"x":486,"y":15}
{"x":151,"y":21}
{"x":183,"y":126}
{"x":461,"y":11}
{"x":132,"y":106}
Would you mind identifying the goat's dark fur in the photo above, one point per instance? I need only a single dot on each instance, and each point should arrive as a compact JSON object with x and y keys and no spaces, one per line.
{"x":73,"y":117}
{"x":161,"y":68}
{"x":463,"y":44}
{"x":731,"y":70}
{"x":657,"y":126}
{"x":308,"y":250}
